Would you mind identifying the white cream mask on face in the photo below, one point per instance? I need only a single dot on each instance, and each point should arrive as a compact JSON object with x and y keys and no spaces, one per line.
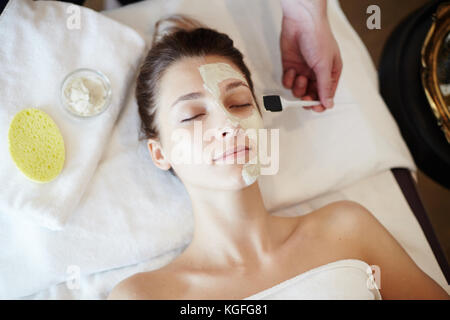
{"x":213,"y":74}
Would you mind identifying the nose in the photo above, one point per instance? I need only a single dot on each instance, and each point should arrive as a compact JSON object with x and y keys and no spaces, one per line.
{"x":226,"y":132}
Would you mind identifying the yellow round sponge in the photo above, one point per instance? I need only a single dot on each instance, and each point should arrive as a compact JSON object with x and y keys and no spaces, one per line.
{"x":36,"y":145}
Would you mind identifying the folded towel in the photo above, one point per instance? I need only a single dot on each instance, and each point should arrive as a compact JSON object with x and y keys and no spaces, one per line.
{"x":41,"y":44}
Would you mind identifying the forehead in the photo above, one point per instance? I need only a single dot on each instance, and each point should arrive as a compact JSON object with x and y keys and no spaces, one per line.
{"x":184,"y":77}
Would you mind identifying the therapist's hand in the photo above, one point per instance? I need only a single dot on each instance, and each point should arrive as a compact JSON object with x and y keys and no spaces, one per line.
{"x":310,"y":56}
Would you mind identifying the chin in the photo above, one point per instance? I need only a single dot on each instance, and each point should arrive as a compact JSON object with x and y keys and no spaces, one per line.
{"x":218,"y":176}
{"x":233,"y":177}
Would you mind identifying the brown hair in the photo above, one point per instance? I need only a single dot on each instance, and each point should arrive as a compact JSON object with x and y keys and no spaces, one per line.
{"x":175,"y":38}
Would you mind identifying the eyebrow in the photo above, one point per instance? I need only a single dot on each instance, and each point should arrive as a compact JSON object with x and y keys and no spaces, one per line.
{"x":235,"y":84}
{"x":189,"y":96}
{"x":196,"y":95}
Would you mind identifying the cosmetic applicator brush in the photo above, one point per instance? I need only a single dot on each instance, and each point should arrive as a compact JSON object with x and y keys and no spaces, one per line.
{"x":276,"y":103}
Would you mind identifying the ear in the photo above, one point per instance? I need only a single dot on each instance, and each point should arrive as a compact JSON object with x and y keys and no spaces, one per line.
{"x":157,"y":153}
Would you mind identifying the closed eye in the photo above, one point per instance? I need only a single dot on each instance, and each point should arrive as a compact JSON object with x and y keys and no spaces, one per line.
{"x":241,"y":105}
{"x":189,"y":119}
{"x":233,"y":106}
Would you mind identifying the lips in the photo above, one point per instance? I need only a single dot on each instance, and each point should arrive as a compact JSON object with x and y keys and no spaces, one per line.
{"x":231,"y":151}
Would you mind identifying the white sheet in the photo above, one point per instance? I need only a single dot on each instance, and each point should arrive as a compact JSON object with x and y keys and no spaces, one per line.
{"x":131,"y":211}
{"x":379,"y":193}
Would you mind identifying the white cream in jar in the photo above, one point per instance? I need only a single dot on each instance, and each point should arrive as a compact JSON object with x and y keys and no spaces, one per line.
{"x":85,"y":93}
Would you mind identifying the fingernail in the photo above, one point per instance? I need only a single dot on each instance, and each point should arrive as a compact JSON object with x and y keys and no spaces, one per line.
{"x":329,"y":103}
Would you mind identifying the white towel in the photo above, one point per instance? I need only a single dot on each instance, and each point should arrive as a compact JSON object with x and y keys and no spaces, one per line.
{"x":37,"y":50}
{"x":348,"y":279}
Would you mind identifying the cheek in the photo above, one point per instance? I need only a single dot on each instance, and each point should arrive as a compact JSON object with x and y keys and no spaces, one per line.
{"x":186,"y":148}
{"x":179,"y":149}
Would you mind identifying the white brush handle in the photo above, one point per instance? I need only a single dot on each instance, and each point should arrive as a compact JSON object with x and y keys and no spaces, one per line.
{"x":298,"y":103}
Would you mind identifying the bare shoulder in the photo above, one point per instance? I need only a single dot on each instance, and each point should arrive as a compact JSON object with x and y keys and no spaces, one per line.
{"x":337,"y":225}
{"x":151,"y":285}
{"x":125,"y":289}
{"x":353,"y":224}
{"x":358,"y":228}
{"x":343,"y":219}
{"x":347,"y":212}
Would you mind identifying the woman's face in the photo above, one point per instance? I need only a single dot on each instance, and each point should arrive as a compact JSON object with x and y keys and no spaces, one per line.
{"x":205,"y":109}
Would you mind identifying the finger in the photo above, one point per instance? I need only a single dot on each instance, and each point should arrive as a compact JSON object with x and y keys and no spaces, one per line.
{"x":324,"y":83}
{"x":300,"y":85}
{"x":312,"y":89}
{"x":319,"y":108}
{"x":307,"y":98}
{"x":336,"y":73}
{"x":288,"y":78}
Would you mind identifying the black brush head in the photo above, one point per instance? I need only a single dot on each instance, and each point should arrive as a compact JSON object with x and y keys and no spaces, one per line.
{"x":272,"y":103}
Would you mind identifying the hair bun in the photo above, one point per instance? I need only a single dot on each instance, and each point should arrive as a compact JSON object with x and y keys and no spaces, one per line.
{"x":177,"y":22}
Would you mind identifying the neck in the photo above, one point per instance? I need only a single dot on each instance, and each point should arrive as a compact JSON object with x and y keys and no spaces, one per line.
{"x":231,"y":227}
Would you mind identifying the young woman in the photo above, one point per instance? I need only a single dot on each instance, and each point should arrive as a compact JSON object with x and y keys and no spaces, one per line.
{"x":194,"y":76}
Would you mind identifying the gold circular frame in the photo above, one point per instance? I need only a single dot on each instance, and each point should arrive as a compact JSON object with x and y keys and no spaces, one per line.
{"x":430,"y":53}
